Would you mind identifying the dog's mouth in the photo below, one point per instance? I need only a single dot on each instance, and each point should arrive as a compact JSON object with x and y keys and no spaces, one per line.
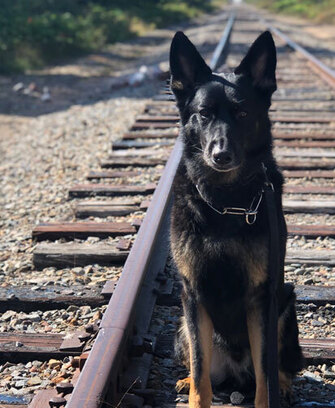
{"x":222,"y":167}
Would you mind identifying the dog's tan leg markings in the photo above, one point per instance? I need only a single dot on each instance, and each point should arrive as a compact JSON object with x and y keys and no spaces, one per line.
{"x":285,"y":384}
{"x":201,"y":390}
{"x":183,"y":384}
{"x":256,"y":340}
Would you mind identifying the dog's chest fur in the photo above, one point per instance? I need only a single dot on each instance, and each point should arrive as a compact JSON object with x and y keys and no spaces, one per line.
{"x":217,"y":247}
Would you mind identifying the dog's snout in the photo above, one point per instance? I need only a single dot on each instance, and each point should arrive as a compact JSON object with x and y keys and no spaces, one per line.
{"x":220,"y":154}
{"x":222,"y":157}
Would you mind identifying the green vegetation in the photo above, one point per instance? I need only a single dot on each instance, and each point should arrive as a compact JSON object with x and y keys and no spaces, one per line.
{"x":36,"y":32}
{"x":317,"y":10}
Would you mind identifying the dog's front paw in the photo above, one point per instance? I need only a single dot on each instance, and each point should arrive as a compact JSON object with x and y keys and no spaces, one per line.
{"x":183,"y":385}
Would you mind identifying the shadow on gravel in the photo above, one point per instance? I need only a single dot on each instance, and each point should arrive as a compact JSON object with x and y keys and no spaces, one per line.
{"x":88,"y":80}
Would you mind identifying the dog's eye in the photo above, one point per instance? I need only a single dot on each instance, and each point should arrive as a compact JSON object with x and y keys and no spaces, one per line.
{"x":241,"y":114}
{"x":205,"y":113}
{"x":238,"y":112}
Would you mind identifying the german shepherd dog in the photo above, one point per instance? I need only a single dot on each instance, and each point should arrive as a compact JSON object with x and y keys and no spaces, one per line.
{"x":222,"y":257}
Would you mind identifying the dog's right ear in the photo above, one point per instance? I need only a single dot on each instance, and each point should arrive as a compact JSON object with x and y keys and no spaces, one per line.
{"x":260,"y":64}
{"x":188,"y":69}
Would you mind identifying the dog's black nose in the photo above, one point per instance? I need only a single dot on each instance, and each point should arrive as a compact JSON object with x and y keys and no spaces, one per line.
{"x":222,"y":157}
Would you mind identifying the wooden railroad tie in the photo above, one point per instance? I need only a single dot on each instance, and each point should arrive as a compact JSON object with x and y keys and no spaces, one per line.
{"x":309,"y":174}
{"x":74,"y":254}
{"x":284,"y":163}
{"x":303,"y":143}
{"x":319,"y":295}
{"x":111,"y":174}
{"x":300,"y":119}
{"x":72,"y":230}
{"x":308,"y":153}
{"x":274,"y":116}
{"x":26,"y":298}
{"x":131,"y":144}
{"x":298,"y":164}
{"x":85,"y":190}
{"x":312,"y":231}
{"x":281,"y":135}
{"x":310,"y":206}
{"x":133,"y":161}
{"x":172,"y":134}
{"x":137,"y":153}
{"x":314,"y":189}
{"x":104,"y":209}
{"x":29,"y":346}
{"x":153,"y":125}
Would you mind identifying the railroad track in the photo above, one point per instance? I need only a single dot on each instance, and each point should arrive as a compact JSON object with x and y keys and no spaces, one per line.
{"x":112,"y":357}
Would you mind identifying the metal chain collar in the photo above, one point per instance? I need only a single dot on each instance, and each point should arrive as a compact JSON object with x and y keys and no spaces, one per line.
{"x":249,"y":213}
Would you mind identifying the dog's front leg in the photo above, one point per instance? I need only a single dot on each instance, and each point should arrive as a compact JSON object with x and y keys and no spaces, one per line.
{"x":256,"y":333}
{"x":200,"y":339}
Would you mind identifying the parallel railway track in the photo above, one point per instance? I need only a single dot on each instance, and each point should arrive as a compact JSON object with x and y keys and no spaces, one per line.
{"x":123,"y":222}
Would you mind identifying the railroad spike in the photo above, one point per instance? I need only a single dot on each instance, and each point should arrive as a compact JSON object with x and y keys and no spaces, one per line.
{"x":92,"y":328}
{"x":57,"y":402}
{"x":64,"y":388}
{"x":84,"y":336}
{"x":141,"y":345}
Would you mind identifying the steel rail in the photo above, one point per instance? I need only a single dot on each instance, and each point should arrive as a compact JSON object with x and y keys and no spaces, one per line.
{"x":318,"y":66}
{"x":99,"y":375}
{"x":220,"y":48}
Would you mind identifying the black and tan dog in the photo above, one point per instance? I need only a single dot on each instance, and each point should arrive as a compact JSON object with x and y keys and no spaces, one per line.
{"x":222,"y":257}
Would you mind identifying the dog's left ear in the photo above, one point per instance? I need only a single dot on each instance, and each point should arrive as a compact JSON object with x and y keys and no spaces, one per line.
{"x":188,"y":69}
{"x":260,"y":63}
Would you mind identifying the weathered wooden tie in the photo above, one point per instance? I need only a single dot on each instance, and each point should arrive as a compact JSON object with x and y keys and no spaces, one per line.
{"x":130,"y":144}
{"x":85,"y":190}
{"x":172,"y":134}
{"x":282,"y":134}
{"x":315,"y":189}
{"x":97,"y":174}
{"x":311,"y":256}
{"x":310,"y":206}
{"x":133,"y":161}
{"x":30,"y":346}
{"x":72,"y":230}
{"x":299,"y":164}
{"x":308,"y":153}
{"x":312,"y":231}
{"x":319,"y":295}
{"x":309,"y":174}
{"x":27,"y":298}
{"x":77,"y":254}
{"x":103,"y":209}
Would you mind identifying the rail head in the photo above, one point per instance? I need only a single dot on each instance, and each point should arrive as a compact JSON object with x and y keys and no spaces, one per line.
{"x":327,"y":73}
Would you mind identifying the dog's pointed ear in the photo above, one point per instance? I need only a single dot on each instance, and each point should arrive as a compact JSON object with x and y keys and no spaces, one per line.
{"x":260,"y":63}
{"x":188,"y":69}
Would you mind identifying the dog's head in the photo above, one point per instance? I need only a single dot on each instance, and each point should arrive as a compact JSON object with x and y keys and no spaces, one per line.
{"x":224,"y":117}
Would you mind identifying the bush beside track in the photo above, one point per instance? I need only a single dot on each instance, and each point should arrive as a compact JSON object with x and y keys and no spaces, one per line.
{"x":37,"y":32}
{"x":317,"y":10}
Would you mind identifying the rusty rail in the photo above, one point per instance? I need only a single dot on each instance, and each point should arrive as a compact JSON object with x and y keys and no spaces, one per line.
{"x":102,"y":364}
{"x":318,"y":66}
{"x":98,"y":380}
